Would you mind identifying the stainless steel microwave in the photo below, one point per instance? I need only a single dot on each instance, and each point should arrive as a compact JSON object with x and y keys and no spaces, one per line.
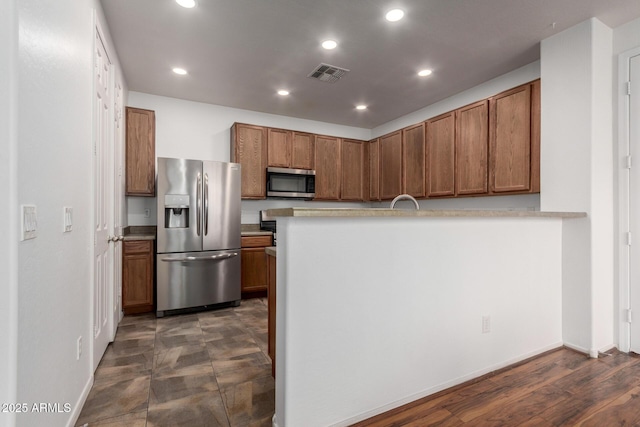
{"x":291,"y":183}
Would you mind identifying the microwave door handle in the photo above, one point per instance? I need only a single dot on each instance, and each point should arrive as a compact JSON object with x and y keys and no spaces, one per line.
{"x":206,"y":204}
{"x":198,"y":204}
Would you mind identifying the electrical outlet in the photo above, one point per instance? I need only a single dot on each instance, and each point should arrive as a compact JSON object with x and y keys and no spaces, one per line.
{"x":147,"y":213}
{"x":486,"y":324}
{"x":79,"y":348}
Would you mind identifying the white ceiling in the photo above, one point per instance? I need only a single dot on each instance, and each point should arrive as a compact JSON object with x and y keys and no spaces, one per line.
{"x":240,"y":52}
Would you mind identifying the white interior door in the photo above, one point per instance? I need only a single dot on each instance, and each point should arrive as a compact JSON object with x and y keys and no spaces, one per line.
{"x":634,"y":202}
{"x":118,"y":205}
{"x":103,"y":206}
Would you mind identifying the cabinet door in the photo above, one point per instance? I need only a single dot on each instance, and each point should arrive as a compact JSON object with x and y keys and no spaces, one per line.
{"x":327,"y":159}
{"x":249,"y":148}
{"x":253,"y":263}
{"x":535,"y":137}
{"x":302,"y":151}
{"x":390,"y":165}
{"x":472,"y":149}
{"x":374,"y":169}
{"x":137,"y":276}
{"x":140,"y":152}
{"x":352,"y":170}
{"x":510,"y":140}
{"x":413,"y":152}
{"x":441,"y":155}
{"x":279,"y":148}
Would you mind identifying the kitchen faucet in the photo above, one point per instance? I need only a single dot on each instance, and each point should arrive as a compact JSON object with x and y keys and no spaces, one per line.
{"x":404,"y":197}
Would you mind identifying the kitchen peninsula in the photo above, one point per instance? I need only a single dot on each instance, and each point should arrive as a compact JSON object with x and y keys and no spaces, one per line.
{"x":380,"y":307}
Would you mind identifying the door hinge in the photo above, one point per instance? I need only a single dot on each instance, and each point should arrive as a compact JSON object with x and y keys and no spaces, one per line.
{"x":629,"y":88}
{"x":628,"y":238}
{"x":628,"y":162}
{"x":629,"y":316}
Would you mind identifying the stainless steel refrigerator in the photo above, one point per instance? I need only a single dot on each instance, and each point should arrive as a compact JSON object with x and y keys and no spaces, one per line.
{"x":198,"y":238}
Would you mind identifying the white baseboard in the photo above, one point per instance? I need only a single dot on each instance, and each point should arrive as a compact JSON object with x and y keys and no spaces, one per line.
{"x":77,"y":408}
{"x":443,"y":386}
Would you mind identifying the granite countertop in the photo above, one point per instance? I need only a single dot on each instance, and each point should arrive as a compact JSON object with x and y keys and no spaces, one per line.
{"x":270,"y":250}
{"x":377,"y":212}
{"x":247,"y":230}
{"x":137,"y":232}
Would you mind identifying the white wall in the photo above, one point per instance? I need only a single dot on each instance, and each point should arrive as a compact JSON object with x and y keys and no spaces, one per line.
{"x":54,"y":169}
{"x":398,"y":315}
{"x":577,"y":173}
{"x":8,"y":227}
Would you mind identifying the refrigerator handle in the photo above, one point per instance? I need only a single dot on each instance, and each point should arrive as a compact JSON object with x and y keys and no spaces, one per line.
{"x":206,"y":204}
{"x":199,"y":205}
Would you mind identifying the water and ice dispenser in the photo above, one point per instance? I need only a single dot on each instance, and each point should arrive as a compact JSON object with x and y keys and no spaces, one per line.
{"x":176,"y":211}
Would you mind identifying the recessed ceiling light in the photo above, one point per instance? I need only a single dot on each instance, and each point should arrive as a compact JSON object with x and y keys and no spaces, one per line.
{"x":283,"y":92}
{"x":361,"y":107}
{"x":180,"y":71}
{"x":394,"y":15}
{"x":423,"y":73}
{"x":329,"y":44}
{"x":187,"y":3}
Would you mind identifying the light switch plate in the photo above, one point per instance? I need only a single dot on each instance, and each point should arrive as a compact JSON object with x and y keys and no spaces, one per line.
{"x":68,"y":219}
{"x":28,"y":222}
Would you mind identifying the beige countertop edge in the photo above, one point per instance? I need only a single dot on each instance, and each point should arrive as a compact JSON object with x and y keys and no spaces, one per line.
{"x":131,"y":237}
{"x":256,"y":233}
{"x":270,"y":250}
{"x":377,"y":212}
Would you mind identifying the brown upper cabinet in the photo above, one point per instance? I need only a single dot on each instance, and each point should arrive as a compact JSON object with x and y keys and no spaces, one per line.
{"x":302,"y":153}
{"x":441,"y":155}
{"x":279,"y":148}
{"x":472,"y":149}
{"x":535,"y":136}
{"x":510,"y":140}
{"x":328,"y":167}
{"x":140,"y":152}
{"x":289,"y":149}
{"x":413,"y":159}
{"x":374,"y":169}
{"x":353,"y":170}
{"x":391,"y":165}
{"x":249,"y":148}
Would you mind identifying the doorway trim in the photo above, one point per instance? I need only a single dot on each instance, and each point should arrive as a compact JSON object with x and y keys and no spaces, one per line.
{"x":624,"y":199}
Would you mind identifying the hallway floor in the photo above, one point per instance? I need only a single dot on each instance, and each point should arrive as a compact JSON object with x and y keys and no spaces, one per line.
{"x":204,"y":369}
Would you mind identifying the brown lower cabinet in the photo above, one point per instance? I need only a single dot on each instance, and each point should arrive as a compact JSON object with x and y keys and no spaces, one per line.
{"x":254,"y":265}
{"x":137,"y":276}
{"x":271,"y":299}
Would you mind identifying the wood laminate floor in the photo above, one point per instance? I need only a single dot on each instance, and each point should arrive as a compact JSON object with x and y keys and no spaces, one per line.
{"x":212,"y":369}
{"x":560,"y":388}
{"x":204,"y":369}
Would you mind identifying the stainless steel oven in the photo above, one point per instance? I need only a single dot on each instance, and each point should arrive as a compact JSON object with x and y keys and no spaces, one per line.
{"x":291,"y":183}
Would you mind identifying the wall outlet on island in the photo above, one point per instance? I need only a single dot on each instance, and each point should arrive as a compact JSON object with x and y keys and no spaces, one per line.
{"x":486,"y":324}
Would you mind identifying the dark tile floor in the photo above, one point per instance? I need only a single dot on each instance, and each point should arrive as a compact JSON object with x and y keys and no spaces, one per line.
{"x":204,"y":369}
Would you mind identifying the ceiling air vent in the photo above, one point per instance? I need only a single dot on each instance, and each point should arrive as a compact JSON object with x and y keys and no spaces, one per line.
{"x":328,"y":73}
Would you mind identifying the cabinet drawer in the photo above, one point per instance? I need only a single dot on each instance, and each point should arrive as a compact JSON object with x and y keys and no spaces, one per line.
{"x":256,"y":241}
{"x":137,"y":246}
